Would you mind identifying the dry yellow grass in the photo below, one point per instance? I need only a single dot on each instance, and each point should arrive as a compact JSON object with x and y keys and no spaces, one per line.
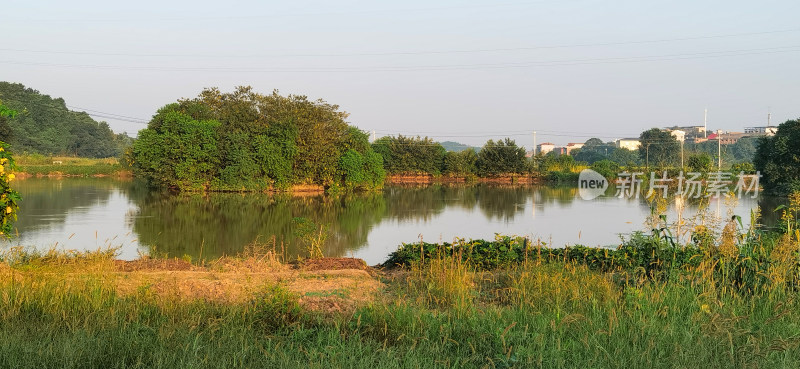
{"x":227,"y":280}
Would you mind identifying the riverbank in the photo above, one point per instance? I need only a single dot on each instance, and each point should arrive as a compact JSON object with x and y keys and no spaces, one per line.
{"x":431,"y":179}
{"x":444,"y":310}
{"x":64,"y":166}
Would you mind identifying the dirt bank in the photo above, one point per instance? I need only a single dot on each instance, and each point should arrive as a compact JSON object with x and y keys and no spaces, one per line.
{"x":429,"y":179}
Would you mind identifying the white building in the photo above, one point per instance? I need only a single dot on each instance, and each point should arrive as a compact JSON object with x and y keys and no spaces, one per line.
{"x":628,"y":143}
{"x":679,"y":135}
{"x":572,"y":146}
{"x":544,"y":148}
{"x":761,"y":131}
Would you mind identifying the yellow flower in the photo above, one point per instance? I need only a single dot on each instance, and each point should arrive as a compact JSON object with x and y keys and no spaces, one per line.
{"x":704,"y":308}
{"x":8,"y":210}
{"x":11,"y":176}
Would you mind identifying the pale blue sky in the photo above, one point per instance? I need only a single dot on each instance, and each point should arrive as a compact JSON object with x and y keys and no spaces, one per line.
{"x":458,"y":70}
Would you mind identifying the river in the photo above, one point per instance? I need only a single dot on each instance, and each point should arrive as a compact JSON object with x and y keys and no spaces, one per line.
{"x":92,"y":213}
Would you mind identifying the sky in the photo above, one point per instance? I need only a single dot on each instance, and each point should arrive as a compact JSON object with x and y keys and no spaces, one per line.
{"x":464,"y":71}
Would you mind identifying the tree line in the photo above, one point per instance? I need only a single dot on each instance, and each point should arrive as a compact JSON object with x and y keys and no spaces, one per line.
{"x":416,"y":155}
{"x":43,"y":125}
{"x":244,"y":140}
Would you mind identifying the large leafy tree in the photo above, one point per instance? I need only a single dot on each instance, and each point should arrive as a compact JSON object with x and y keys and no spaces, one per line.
{"x":659,"y":148}
{"x":594,"y":149}
{"x":778,"y":159}
{"x":461,"y":162}
{"x":180,"y":151}
{"x":501,"y":157}
{"x":404,"y":154}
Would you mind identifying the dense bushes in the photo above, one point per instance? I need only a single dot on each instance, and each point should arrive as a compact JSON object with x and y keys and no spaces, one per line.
{"x":501,"y":157}
{"x":744,"y":261}
{"x":403,"y":154}
{"x":247,"y":141}
{"x":461,"y":163}
{"x":410,"y":155}
{"x":777,"y":159}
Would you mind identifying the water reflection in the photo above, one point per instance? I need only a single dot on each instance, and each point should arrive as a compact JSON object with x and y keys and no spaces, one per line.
{"x":91,"y":213}
{"x":220,"y":224}
{"x":75,"y":213}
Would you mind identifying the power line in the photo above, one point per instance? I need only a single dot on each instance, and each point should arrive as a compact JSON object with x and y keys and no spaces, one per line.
{"x":279,"y":15}
{"x":396,"y":53}
{"x":107,"y":114}
{"x":104,"y":115}
{"x":566,"y":62}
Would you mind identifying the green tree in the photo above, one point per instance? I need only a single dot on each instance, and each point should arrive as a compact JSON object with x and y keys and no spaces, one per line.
{"x":606,"y":168}
{"x":744,"y":149}
{"x":501,"y":157}
{"x":594,"y":149}
{"x":701,"y":162}
{"x":461,"y":162}
{"x":624,"y":157}
{"x":404,"y":154}
{"x":6,"y":133}
{"x":778,"y":159}
{"x":557,"y":163}
{"x":659,"y":148}
{"x":243,"y":140}
{"x":181,"y":153}
{"x":45,"y":125}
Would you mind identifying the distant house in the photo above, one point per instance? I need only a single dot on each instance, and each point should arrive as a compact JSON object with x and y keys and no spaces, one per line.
{"x":679,"y":135}
{"x":572,"y":146}
{"x":545,"y":147}
{"x":761,"y":131}
{"x":727,"y":138}
{"x":690,"y":132}
{"x":560,"y":150}
{"x":628,"y":143}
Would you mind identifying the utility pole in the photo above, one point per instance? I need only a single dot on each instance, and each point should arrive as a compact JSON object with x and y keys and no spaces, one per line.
{"x":705,"y":122}
{"x":373,"y":135}
{"x":534,"y":143}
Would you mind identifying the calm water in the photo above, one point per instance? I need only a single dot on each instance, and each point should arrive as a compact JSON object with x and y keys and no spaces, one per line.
{"x":95,"y":213}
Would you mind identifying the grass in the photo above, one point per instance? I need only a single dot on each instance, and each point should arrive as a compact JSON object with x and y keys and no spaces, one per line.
{"x":528,"y":316}
{"x":40,"y":165}
{"x":736,"y":304}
